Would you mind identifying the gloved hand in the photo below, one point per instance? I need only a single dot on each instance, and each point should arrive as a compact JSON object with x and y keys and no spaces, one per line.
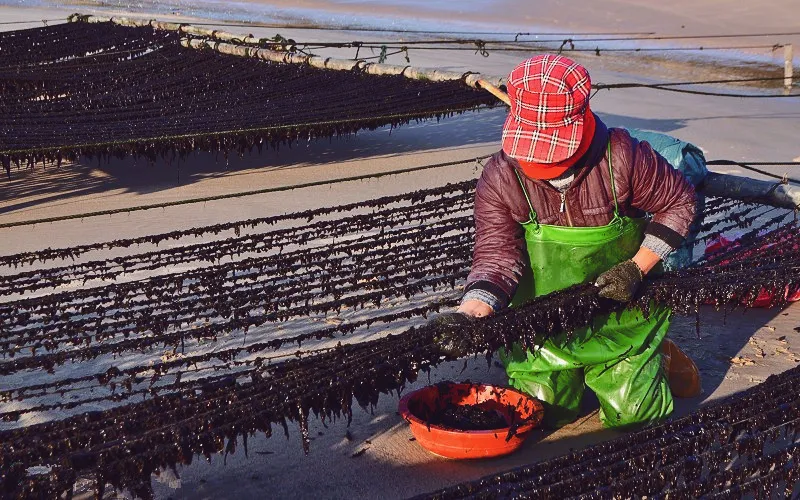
{"x":620,"y":282}
{"x":449,"y":335}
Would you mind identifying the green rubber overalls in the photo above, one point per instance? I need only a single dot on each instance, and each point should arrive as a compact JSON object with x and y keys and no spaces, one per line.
{"x":618,"y":356}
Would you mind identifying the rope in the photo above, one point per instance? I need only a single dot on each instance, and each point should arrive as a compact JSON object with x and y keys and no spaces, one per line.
{"x":474,"y":41}
{"x":763,"y":163}
{"x":44,"y":21}
{"x":490,"y":45}
{"x":693,"y":92}
{"x":694,"y":82}
{"x":643,"y":35}
{"x":395,"y":30}
{"x":747,"y":166}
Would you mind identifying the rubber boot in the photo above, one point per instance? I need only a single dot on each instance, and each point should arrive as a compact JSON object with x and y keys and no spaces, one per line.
{"x":682,"y":372}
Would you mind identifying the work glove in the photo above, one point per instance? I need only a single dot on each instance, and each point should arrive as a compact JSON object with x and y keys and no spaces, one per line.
{"x":449,"y":333}
{"x":620,"y":282}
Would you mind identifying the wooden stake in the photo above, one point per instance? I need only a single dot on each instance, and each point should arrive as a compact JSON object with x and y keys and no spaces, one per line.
{"x":788,"y":66}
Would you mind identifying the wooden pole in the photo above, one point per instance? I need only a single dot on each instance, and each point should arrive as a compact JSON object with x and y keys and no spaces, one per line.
{"x":788,"y":66}
{"x":494,"y":91}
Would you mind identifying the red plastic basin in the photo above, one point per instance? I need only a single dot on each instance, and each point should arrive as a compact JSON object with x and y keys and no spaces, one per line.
{"x":453,"y":443}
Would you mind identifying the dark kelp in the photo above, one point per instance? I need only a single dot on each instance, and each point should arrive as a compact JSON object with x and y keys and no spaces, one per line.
{"x":199,"y":403}
{"x":105,"y":91}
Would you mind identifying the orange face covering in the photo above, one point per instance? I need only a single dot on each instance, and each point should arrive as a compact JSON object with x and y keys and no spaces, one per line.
{"x":547,"y":171}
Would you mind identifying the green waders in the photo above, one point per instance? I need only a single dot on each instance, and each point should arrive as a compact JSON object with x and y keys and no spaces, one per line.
{"x":618,"y":356}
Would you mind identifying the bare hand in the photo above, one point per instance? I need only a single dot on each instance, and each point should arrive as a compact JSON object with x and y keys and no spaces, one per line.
{"x":475,"y":308}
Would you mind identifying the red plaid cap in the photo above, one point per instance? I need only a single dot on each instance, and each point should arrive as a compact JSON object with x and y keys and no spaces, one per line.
{"x":549,"y":97}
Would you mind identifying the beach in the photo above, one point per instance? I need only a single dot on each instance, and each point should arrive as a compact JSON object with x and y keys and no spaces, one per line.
{"x":393,"y":466}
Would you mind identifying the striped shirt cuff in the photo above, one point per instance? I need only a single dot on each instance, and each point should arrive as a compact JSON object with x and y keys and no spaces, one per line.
{"x":484,"y":296}
{"x":657,"y":246}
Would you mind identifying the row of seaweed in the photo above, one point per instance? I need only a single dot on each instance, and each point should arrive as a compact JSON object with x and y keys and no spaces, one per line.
{"x":124,"y":445}
{"x":106,"y":91}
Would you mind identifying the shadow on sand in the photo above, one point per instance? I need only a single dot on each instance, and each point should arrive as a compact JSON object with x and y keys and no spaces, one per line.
{"x":29,"y":188}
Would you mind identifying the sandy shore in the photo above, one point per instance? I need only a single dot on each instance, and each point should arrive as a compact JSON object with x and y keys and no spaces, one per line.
{"x":393,"y":466}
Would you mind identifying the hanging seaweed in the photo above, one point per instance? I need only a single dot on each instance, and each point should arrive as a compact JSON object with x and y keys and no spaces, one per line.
{"x":107,"y":91}
{"x":443,"y":199}
{"x":290,"y":390}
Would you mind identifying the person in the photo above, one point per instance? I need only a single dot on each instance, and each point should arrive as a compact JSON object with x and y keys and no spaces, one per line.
{"x":565,"y":202}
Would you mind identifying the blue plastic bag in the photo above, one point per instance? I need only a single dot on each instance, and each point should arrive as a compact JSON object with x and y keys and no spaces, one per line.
{"x":687,"y":158}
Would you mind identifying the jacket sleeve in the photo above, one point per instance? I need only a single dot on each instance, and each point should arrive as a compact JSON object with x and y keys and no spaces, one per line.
{"x":661,"y":190}
{"x":497,"y":260}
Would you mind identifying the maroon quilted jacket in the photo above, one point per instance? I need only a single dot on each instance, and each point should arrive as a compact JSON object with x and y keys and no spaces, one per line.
{"x":645,"y":182}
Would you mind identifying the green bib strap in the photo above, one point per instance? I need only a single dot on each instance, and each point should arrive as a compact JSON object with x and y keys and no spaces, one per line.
{"x":613,"y":184}
{"x":533,"y":218}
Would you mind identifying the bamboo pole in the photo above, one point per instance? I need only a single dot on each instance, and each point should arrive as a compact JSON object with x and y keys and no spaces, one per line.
{"x":788,"y":66}
{"x":222,"y":43}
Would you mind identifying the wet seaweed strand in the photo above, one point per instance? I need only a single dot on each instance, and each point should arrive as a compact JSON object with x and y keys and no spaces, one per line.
{"x":447,"y":197}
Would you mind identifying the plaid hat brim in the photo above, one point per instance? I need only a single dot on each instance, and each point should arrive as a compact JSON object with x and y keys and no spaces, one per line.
{"x":541,"y":145}
{"x":547,"y":171}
